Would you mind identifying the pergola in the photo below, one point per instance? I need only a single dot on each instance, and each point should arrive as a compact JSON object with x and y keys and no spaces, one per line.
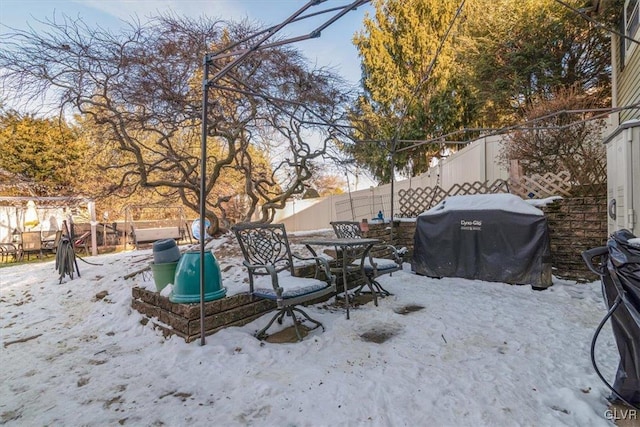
{"x":19,"y":203}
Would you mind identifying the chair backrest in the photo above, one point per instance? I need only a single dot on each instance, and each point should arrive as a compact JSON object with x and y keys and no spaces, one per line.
{"x":82,"y":239}
{"x":264,"y":244}
{"x":31,"y":241}
{"x":352,"y":230}
{"x":347,"y":229}
{"x":52,"y":245}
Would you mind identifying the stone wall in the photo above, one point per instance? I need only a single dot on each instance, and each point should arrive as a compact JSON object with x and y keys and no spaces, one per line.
{"x":575,"y":225}
{"x":403,"y":232}
{"x":184,"y":319}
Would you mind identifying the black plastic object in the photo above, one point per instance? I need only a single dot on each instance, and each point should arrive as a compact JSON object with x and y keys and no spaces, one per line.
{"x":619,"y":269}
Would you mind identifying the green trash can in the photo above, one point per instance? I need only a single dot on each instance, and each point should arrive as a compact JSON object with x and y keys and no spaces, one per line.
{"x":163,"y":273}
{"x":186,"y":285}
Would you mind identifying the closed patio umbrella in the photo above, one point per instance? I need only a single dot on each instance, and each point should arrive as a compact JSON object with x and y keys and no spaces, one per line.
{"x":31,"y":216}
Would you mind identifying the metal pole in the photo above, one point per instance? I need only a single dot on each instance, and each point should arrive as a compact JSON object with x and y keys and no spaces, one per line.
{"x":203,"y":192}
{"x":245,"y":53}
{"x":94,"y":230}
{"x":393,"y":173}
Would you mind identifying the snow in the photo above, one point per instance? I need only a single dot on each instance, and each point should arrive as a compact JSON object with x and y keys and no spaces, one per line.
{"x":475,"y":354}
{"x":543,"y":202}
{"x":476,"y":202}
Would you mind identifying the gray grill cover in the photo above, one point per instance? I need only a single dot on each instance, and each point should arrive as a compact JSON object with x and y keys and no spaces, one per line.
{"x":492,"y":237}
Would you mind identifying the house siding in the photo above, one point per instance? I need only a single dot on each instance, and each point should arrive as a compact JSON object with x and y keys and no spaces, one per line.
{"x":629,"y":86}
{"x":626,"y":85}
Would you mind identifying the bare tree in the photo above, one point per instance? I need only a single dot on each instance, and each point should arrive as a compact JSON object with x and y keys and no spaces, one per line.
{"x":565,"y":134}
{"x":141,"y":93}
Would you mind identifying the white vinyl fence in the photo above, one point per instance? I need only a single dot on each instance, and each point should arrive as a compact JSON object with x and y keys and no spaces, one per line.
{"x":478,"y":161}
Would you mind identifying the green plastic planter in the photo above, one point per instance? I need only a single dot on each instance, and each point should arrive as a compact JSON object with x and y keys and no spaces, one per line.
{"x":186,"y":285}
{"x":163,"y":274}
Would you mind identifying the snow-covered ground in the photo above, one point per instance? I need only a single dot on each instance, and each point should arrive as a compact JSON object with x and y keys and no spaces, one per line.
{"x":472,"y":354}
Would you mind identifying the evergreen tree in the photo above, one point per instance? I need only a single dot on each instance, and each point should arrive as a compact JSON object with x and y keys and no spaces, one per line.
{"x":526,"y":50}
{"x":47,"y":151}
{"x":500,"y":56}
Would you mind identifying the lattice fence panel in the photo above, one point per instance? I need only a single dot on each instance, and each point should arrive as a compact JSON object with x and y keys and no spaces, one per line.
{"x":477,"y":187}
{"x":414,"y":201}
{"x":542,"y":186}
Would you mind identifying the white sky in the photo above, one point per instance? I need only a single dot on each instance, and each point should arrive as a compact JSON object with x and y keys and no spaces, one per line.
{"x":477,"y":354}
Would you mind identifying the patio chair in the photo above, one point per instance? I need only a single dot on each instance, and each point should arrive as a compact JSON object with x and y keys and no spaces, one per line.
{"x":8,"y":251}
{"x":51,"y":246}
{"x":269,"y":261}
{"x":82,"y":241}
{"x":382,"y":258}
{"x":31,"y":242}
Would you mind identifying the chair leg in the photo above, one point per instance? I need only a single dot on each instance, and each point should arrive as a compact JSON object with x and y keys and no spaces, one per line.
{"x":261,"y":333}
{"x":304,"y":313}
{"x":380,"y":289}
{"x":283,"y":313}
{"x":296,"y":322}
{"x":375,"y":288}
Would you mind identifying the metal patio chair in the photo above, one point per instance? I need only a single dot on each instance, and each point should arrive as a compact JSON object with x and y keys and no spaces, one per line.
{"x":31,"y":243}
{"x":382,"y":259}
{"x":8,"y":251}
{"x":269,"y":261}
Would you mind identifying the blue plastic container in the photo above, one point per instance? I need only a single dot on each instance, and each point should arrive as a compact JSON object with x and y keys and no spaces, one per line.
{"x":186,"y":285}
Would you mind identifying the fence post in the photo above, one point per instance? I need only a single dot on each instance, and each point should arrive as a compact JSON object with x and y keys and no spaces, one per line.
{"x":93,"y":223}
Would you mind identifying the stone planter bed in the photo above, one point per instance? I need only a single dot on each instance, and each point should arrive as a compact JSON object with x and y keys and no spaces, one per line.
{"x":183,"y":320}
